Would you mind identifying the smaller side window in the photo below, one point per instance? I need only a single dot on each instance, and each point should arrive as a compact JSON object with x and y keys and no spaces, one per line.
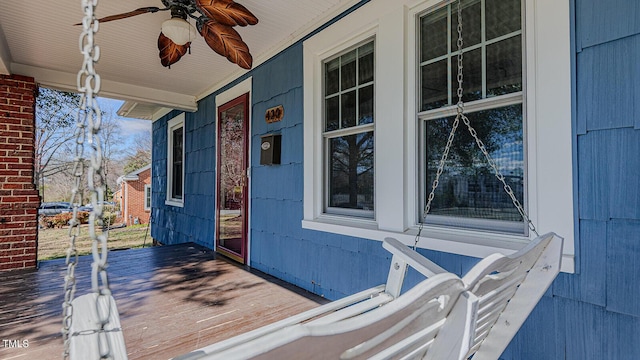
{"x":175,"y":161}
{"x":147,"y":197}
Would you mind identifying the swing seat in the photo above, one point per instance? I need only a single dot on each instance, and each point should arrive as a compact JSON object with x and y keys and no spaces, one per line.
{"x":443,"y":317}
{"x":85,"y":335}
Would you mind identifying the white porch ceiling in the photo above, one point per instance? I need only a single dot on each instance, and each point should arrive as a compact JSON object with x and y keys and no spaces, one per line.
{"x":37,"y":39}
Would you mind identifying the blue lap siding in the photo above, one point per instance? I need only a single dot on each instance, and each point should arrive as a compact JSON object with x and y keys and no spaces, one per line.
{"x":593,"y":314}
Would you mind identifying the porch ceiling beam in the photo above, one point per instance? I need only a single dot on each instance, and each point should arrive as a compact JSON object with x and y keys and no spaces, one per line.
{"x":118,"y":90}
{"x":5,"y":56}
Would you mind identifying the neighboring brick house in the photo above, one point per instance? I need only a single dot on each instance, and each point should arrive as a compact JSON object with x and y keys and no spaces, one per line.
{"x":135,"y":196}
{"x":19,"y":198}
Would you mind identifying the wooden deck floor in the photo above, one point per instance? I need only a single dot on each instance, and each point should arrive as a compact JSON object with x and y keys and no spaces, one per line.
{"x":171,"y":299}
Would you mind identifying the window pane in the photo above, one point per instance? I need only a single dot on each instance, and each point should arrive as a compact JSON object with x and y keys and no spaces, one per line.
{"x":468,"y":188}
{"x":365,"y":107}
{"x":434,"y":85}
{"x":348,"y":70}
{"x":349,"y":109}
{"x":332,"y":113}
{"x":176,"y":191}
{"x":471,"y":24}
{"x":147,"y":197}
{"x":504,"y":66}
{"x":351,"y":171}
{"x":502,"y":17}
{"x":365,"y":63}
{"x":332,"y":77}
{"x":433,"y":34}
{"x":472,"y":76}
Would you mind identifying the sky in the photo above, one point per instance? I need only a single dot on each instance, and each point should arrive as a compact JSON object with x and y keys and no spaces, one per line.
{"x":130,"y":127}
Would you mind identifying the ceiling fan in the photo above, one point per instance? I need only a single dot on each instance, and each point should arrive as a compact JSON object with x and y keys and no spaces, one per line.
{"x":214,"y":19}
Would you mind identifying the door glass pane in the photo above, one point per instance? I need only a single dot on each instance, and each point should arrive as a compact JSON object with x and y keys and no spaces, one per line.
{"x":504,"y":66}
{"x":232,"y":177}
{"x":468,"y":188}
{"x":502,"y":17}
{"x":351,"y":171}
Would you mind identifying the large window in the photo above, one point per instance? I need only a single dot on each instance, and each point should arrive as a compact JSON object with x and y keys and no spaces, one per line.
{"x":175,"y":161}
{"x":469,"y":195}
{"x":348,"y":131}
{"x":517,"y":93}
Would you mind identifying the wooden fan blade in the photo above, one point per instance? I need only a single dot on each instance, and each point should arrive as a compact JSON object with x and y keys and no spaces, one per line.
{"x":227,"y":42}
{"x":226,"y":12}
{"x":136,"y":12}
{"x":170,"y":52}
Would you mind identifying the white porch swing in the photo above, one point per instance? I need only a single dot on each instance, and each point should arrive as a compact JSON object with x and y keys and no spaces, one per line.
{"x":443,"y":317}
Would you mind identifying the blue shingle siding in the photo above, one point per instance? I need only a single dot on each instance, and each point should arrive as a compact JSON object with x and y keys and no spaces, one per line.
{"x":600,"y":22}
{"x":607,"y":78}
{"x":193,"y":222}
{"x":589,"y":315}
{"x":623,"y":266}
{"x":588,"y":285}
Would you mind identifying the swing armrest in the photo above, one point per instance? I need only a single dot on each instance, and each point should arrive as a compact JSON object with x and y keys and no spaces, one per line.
{"x":423,"y":265}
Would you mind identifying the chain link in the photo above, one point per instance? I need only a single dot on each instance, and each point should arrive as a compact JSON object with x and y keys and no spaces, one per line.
{"x":474,"y":134}
{"x":88,"y":125}
{"x":499,"y":176}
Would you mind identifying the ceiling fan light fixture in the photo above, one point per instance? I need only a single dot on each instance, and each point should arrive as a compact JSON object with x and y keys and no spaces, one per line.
{"x":178,"y":30}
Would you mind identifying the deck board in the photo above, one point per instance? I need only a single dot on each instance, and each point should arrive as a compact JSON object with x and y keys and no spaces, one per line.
{"x":171,"y":299}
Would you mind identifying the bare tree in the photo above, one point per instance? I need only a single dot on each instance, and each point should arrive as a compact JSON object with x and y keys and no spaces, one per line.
{"x":56,"y":113}
{"x":55,"y":118}
{"x":112,"y":149}
{"x":140,"y":155}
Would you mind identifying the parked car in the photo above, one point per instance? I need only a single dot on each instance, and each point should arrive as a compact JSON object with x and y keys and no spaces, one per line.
{"x":88,"y":207}
{"x":54,"y":208}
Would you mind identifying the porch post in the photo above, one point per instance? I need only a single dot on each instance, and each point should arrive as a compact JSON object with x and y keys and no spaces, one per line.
{"x":19,"y":200}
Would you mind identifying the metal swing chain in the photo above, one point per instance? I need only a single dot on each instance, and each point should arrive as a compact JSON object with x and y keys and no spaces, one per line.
{"x":89,"y":116}
{"x":474,"y":134}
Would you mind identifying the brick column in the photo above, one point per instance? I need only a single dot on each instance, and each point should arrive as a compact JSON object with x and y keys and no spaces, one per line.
{"x":19,"y":200}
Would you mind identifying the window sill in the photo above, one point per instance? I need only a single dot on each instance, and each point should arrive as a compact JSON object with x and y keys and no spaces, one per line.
{"x":172,"y":202}
{"x":456,"y":241}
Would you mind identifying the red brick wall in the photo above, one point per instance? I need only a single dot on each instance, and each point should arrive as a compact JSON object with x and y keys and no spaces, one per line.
{"x":19,"y":199}
{"x":134,"y":203}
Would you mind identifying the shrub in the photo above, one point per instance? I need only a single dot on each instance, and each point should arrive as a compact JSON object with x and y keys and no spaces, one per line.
{"x":61,"y":220}
{"x":83,"y":217}
{"x":46,"y":222}
{"x":109,"y":218}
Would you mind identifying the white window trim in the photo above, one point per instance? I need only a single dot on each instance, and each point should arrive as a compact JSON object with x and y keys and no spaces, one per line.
{"x":173,"y":124}
{"x":147,"y":192}
{"x":548,"y":129}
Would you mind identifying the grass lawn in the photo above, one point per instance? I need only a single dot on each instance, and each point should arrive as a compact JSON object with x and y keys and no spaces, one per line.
{"x":53,"y":243}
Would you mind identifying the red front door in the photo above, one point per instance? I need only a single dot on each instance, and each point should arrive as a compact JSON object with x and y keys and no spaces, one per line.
{"x":232,"y":190}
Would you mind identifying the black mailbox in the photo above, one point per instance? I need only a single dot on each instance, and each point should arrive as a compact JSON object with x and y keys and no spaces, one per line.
{"x":270,"y":146}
